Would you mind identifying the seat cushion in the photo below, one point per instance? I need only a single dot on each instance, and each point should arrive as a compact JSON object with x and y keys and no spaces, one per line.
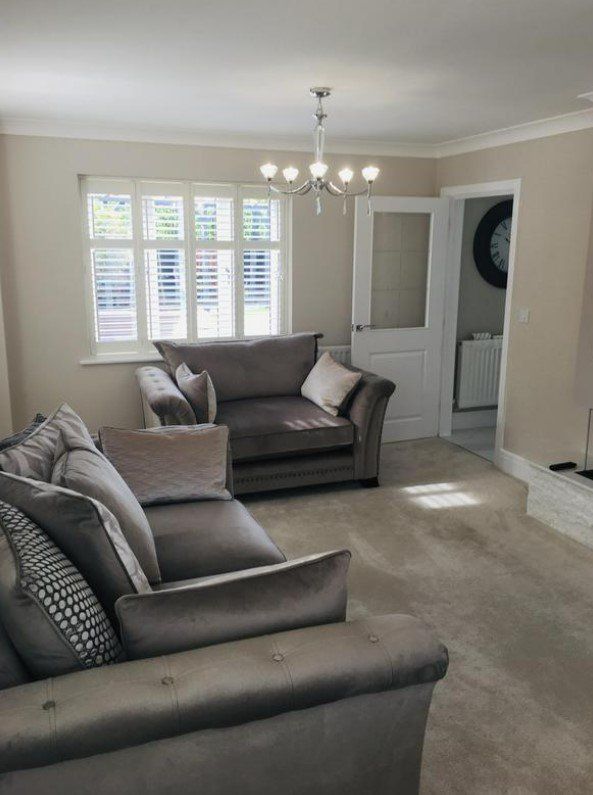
{"x":247,"y":368}
{"x":277,"y":426}
{"x":195,"y":539}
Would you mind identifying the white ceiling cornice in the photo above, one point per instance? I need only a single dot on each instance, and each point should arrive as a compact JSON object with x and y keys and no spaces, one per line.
{"x":51,"y":129}
{"x":556,"y":125}
{"x":569,"y":122}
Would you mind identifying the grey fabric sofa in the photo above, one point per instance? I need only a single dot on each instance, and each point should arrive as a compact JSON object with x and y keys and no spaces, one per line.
{"x":279,"y":439}
{"x":328,"y":708}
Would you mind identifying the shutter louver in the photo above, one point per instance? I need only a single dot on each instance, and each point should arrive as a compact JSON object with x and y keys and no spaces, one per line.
{"x":215,"y":293}
{"x":165,"y":293}
{"x":114,"y":295}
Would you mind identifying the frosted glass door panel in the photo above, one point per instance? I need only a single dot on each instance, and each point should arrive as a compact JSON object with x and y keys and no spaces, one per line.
{"x":399,"y":269}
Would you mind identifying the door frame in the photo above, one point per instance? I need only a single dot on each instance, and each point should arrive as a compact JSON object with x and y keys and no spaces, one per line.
{"x":458,"y":195}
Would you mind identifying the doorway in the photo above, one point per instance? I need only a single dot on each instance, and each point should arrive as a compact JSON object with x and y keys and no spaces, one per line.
{"x":480,"y":268}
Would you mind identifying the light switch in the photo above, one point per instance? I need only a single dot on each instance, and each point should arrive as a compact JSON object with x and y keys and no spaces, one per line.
{"x":523,"y":315}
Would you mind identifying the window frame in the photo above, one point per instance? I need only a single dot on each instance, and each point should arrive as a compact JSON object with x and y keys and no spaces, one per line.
{"x":142,"y":348}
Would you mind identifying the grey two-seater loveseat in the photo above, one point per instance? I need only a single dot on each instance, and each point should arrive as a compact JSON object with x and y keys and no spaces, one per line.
{"x":279,"y":439}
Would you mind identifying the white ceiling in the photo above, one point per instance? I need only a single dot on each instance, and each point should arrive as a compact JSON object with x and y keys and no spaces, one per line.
{"x":419,"y":71}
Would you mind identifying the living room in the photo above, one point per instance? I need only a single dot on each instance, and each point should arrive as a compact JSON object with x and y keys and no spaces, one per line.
{"x":307,"y":208}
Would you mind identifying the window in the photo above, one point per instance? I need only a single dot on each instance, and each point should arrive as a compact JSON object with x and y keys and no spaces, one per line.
{"x":183,"y":261}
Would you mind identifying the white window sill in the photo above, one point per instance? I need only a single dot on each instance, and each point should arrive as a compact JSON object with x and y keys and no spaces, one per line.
{"x":121,"y":358}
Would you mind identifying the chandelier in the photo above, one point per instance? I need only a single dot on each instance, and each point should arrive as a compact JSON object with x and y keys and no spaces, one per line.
{"x":318,"y":170}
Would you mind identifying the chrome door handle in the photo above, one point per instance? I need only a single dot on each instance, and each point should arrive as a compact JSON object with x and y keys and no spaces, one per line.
{"x":361,"y":326}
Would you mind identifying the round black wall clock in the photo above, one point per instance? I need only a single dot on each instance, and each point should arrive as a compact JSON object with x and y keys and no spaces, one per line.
{"x":492,"y":244}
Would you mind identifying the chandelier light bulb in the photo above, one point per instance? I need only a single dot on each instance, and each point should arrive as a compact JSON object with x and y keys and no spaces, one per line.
{"x":346,"y":175}
{"x":290,"y":174}
{"x":318,"y":170}
{"x":370,"y":173}
{"x":269,"y":171}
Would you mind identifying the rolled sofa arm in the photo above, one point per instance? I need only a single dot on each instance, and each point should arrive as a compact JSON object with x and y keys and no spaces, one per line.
{"x":162,"y":399}
{"x":227,"y":607}
{"x":366,"y":411}
{"x":101,"y":710}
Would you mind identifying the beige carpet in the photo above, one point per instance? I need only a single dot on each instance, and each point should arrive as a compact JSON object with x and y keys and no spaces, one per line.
{"x":446,"y":538}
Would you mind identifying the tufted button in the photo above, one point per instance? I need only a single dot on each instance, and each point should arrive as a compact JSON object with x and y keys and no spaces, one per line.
{"x":49,"y":705}
{"x":167,"y":680}
{"x":373,"y":639}
{"x":278,"y":657}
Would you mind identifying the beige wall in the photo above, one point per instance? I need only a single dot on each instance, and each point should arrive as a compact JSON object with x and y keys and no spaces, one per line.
{"x":42,"y":273}
{"x":545,"y":421}
{"x":481,"y":305}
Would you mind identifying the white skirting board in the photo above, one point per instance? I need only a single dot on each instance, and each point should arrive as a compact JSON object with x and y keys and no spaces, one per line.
{"x":562,"y":501}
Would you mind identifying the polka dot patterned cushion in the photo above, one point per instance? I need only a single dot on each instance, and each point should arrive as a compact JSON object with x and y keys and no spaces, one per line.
{"x":56,"y":595}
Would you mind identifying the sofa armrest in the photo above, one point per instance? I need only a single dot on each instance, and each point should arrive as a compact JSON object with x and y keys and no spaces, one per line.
{"x":243,"y":604}
{"x":366,"y":410}
{"x":116,"y":707}
{"x":162,"y":397}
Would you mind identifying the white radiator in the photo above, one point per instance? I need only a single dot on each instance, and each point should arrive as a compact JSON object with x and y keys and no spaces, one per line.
{"x":341,"y":353}
{"x":478,"y":373}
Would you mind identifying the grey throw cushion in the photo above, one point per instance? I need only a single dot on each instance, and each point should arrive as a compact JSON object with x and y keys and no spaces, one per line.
{"x":175,"y":464}
{"x":52,"y":616}
{"x":86,"y":532}
{"x":247,"y":368}
{"x":329,"y":384}
{"x":199,"y":391}
{"x":79,"y":466}
{"x":33,"y":457}
{"x":20,"y":436}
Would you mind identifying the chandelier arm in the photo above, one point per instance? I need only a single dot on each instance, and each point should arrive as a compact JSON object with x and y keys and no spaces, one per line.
{"x":291,"y":191}
{"x":333,"y":189}
{"x":336,"y":191}
{"x":305,"y":187}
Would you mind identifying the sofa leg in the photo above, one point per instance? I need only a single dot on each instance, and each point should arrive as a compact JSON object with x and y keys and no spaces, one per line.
{"x":370,"y":483}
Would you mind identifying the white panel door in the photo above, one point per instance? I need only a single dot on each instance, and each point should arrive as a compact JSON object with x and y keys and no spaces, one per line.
{"x":398,"y":303}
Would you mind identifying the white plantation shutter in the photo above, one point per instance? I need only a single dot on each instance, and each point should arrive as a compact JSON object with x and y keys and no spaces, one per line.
{"x":166,"y":295}
{"x":263,"y":265}
{"x":215,"y":293}
{"x":110,"y":215}
{"x":114,"y":294}
{"x":183,"y":261}
{"x":213,"y":218}
{"x":162,"y":217}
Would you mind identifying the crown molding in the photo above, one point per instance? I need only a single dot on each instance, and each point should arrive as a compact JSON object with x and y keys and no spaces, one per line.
{"x":350,"y":146}
{"x":543,"y":128}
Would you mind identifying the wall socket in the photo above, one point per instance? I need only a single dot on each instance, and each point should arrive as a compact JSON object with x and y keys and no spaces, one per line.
{"x":523,"y":315}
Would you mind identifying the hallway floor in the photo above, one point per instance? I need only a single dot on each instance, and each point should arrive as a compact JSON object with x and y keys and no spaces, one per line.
{"x":477,"y":440}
